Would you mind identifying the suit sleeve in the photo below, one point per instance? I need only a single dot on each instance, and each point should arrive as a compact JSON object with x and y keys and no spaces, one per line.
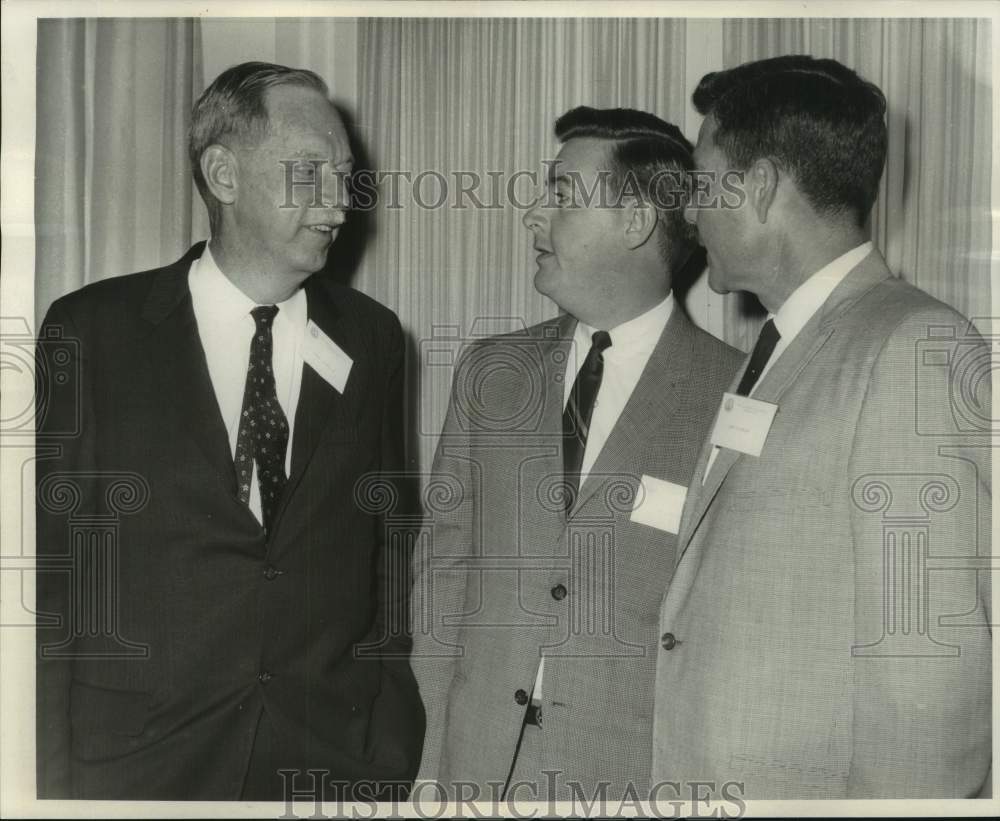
{"x":64,"y":444}
{"x":920,"y":478}
{"x":440,"y":576}
{"x":399,"y":716}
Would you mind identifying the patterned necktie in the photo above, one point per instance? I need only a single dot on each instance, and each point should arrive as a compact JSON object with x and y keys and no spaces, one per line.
{"x":762,"y":351}
{"x":263,"y":433}
{"x":579,"y":409}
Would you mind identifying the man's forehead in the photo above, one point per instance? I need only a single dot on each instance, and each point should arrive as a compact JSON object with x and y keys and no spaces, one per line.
{"x":584,"y":155}
{"x":303,"y":106}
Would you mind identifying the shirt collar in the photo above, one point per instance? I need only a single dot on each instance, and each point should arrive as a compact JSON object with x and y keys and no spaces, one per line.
{"x":636,"y":336}
{"x":228,"y":304}
{"x":805,"y":300}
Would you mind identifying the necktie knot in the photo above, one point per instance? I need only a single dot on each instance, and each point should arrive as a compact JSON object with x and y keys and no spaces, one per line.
{"x":264,"y":315}
{"x":601,"y":340}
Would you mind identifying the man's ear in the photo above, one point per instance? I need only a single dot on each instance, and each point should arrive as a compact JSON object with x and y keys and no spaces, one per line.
{"x":219,"y":167}
{"x":640,"y":223}
{"x":762,"y":186}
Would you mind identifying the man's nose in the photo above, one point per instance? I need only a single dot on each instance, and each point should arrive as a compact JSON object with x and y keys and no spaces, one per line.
{"x":532,"y":218}
{"x":336,"y":193}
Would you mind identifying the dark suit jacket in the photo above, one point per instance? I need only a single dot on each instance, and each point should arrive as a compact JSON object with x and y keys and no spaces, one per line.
{"x":167,"y":623}
{"x":510,"y":577}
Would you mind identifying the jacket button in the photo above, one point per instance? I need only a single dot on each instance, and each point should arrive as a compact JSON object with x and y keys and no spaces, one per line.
{"x":668,"y":641}
{"x":264,"y":677}
{"x":521,"y":697}
{"x":271,"y":573}
{"x":559,"y":592}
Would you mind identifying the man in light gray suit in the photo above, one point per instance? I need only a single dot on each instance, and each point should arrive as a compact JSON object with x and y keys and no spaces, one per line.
{"x":826,"y":632}
{"x":564,"y":460}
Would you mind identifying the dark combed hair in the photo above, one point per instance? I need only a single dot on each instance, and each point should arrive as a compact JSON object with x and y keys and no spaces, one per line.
{"x":816,"y":119}
{"x":233,"y":110}
{"x":650,"y":154}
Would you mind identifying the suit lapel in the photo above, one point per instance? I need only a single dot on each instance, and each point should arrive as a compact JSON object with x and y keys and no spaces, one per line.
{"x":654,"y":399}
{"x":320,"y":404}
{"x":809,"y":341}
{"x":557,"y":341}
{"x":177,"y":357}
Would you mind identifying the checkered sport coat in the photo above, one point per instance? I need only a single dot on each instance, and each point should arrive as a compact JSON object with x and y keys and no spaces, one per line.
{"x":829,"y":627}
{"x":509,"y":576}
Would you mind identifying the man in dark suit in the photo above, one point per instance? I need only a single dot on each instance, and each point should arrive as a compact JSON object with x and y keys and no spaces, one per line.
{"x":229,"y":413}
{"x":567,"y":450}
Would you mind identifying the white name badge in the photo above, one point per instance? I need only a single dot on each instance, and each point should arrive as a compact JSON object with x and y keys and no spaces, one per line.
{"x":660,"y":504}
{"x":743,"y":424}
{"x":326,"y":357}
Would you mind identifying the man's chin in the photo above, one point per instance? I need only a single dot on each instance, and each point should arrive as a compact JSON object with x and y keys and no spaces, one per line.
{"x":715,"y":284}
{"x":545,"y":280}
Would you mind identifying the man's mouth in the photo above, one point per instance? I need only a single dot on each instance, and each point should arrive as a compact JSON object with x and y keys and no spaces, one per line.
{"x":322,"y":228}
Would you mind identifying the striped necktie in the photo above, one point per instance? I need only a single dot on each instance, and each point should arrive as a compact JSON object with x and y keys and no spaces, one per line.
{"x":579,"y":409}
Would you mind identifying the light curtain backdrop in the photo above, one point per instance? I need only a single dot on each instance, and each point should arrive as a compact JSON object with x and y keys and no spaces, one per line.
{"x":113,"y":190}
{"x":114,"y":193}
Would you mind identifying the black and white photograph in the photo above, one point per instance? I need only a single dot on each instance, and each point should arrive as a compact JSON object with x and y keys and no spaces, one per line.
{"x":537,"y":409}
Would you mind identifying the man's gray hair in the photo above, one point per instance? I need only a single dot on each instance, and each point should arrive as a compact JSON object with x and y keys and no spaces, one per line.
{"x":232,"y":111}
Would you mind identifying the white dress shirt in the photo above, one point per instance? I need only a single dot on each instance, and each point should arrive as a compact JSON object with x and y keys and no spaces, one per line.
{"x":226,"y":328}
{"x":801,"y":305}
{"x":632,"y":344}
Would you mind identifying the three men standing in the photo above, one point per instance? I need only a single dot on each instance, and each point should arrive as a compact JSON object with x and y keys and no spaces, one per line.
{"x":620,"y":591}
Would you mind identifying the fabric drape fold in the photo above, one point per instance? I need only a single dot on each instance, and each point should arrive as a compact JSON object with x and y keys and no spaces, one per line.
{"x":114,"y":192}
{"x":476,"y":99}
{"x":932,"y":219}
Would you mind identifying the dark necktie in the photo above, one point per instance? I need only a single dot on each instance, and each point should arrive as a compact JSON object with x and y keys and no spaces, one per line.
{"x":762,"y":351}
{"x":263,"y":432}
{"x":579,"y":409}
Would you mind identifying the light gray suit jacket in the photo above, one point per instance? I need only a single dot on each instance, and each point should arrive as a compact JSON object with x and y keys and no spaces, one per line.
{"x":830,"y":627}
{"x":488,"y":596}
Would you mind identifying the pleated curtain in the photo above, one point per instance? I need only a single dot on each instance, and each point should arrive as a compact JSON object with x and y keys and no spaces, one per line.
{"x":932,"y":219}
{"x":459,"y":99}
{"x":113,"y":190}
{"x":482,"y":96}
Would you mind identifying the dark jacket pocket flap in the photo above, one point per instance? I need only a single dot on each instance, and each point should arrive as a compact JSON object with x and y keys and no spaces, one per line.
{"x":102,"y":710}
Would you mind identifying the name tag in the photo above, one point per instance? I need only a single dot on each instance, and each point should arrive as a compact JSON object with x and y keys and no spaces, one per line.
{"x":659,"y":505}
{"x":743,"y":424}
{"x":326,"y":357}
